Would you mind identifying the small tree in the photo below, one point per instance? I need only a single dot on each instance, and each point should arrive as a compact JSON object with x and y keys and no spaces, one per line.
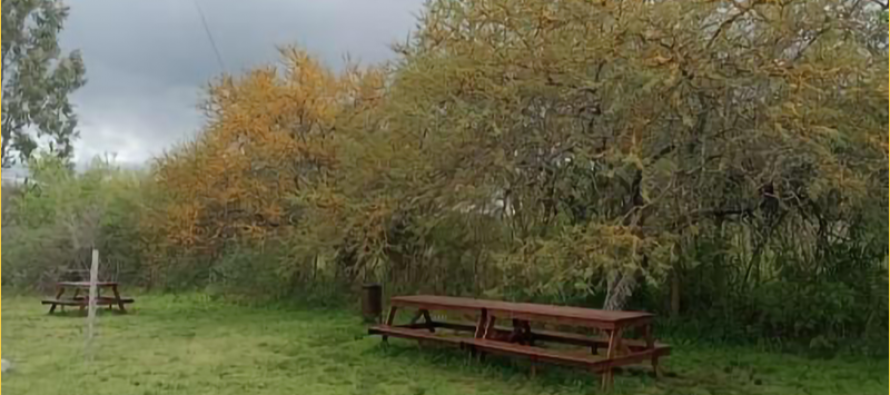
{"x":37,"y":80}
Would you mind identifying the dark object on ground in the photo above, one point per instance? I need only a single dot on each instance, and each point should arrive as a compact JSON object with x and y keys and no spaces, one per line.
{"x":372,"y":302}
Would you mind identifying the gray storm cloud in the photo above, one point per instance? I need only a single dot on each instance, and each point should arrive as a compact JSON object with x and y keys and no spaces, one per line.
{"x":148,"y":60}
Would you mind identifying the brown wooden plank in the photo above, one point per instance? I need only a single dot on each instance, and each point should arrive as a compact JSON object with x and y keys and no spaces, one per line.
{"x":84,"y":301}
{"x":59,"y":292}
{"x":481,"y":325}
{"x":536,"y":353}
{"x":85,"y":284}
{"x":392,"y":315}
{"x":117,"y":297}
{"x":529,"y":312}
{"x":614,"y":343}
{"x":489,"y":328}
{"x":557,"y":317}
{"x":408,"y":333}
{"x":544,"y":335}
{"x":630,"y":359}
{"x":390,"y":320}
{"x":430,"y":325}
{"x":593,"y":362}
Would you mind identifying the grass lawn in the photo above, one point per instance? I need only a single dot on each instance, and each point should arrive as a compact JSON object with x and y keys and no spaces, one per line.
{"x":192,"y":345}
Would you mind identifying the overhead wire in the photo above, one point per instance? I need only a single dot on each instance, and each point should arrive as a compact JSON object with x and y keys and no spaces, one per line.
{"x":216,"y":52}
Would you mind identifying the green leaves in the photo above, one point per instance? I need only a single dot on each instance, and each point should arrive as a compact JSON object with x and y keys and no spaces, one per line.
{"x":59,"y":215}
{"x":676,"y":119}
{"x":37,"y":80}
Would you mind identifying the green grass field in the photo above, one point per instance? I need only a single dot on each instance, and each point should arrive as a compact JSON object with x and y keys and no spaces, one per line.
{"x":192,"y":345}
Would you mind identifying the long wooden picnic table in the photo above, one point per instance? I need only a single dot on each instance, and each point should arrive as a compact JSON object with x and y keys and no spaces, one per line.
{"x":521,"y":338}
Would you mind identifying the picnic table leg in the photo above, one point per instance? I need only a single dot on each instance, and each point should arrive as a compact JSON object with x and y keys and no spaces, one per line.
{"x":489,"y":328}
{"x":76,"y":295}
{"x":430,"y":325}
{"x":480,"y":330}
{"x":480,"y":325}
{"x":487,"y":332}
{"x":390,"y":319}
{"x":528,"y":335}
{"x":416,"y":317}
{"x":516,"y":335}
{"x":650,"y":345}
{"x":614,"y":346}
{"x":117,"y":297}
{"x":59,"y":292}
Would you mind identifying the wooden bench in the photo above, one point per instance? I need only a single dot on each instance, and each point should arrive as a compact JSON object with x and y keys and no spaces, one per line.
{"x":85,"y":302}
{"x":531,"y":352}
{"x":594,"y":362}
{"x":409,"y":333}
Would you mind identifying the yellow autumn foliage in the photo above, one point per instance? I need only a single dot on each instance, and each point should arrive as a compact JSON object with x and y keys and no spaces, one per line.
{"x":270,"y":134}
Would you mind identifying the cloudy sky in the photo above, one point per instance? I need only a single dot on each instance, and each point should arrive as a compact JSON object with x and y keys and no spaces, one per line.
{"x":147,"y":60}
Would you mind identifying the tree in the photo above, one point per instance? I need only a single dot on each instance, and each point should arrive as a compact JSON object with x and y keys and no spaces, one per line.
{"x":37,"y":79}
{"x":611,"y":131}
{"x":264,"y":160}
{"x":593,"y":145}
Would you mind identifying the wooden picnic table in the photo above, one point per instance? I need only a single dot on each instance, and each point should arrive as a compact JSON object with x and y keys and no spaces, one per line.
{"x":83,"y":301}
{"x":519,"y":339}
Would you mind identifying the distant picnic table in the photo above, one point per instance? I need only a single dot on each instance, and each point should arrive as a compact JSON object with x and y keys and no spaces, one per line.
{"x":82,"y":301}
{"x":519,"y":339}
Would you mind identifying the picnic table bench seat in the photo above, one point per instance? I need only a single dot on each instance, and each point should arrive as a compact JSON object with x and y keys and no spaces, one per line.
{"x":540,"y":335}
{"x":411,"y":333}
{"x":82,"y":301}
{"x":594,"y":362}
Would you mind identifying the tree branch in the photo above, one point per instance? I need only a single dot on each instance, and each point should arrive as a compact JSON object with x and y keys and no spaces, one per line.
{"x":686,"y":220}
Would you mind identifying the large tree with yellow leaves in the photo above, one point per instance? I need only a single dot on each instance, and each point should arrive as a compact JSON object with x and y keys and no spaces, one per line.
{"x":271,"y":141}
{"x":610,"y":132}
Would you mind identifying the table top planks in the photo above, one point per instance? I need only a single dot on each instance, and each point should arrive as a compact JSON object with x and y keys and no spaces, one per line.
{"x":85,"y":284}
{"x":529,"y":311}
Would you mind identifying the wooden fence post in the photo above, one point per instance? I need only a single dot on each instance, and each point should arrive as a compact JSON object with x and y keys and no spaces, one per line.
{"x":91,"y":316}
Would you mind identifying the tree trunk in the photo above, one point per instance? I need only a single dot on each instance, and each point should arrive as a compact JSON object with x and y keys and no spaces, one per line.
{"x":621,"y":288}
{"x":675,"y":293}
{"x":620,"y":291}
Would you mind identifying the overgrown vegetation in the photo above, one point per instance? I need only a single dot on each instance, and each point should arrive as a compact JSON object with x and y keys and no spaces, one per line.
{"x":58,"y":217}
{"x":723,"y":164}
